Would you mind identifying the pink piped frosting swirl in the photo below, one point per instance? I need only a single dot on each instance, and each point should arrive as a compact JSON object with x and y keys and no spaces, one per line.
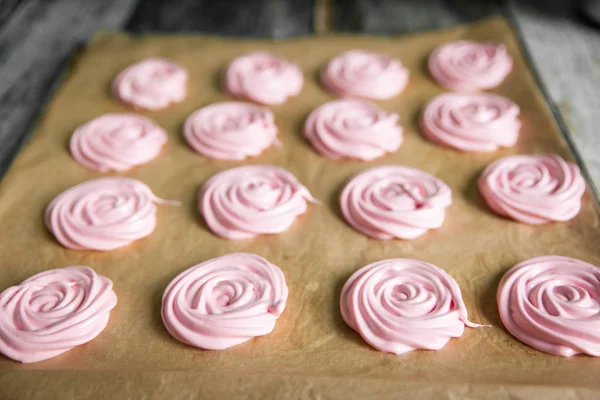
{"x":353,"y":129}
{"x":359,"y":73}
{"x":225,"y":301}
{"x":395,"y":202}
{"x":103,"y":214}
{"x":54,"y":311}
{"x":400,"y":305}
{"x":534,"y":189}
{"x":470,"y":66}
{"x":264,"y":78}
{"x":243,"y":202}
{"x":552,"y":303}
{"x":151,"y":84}
{"x":231,"y":130}
{"x":117,"y":142}
{"x":471,"y":122}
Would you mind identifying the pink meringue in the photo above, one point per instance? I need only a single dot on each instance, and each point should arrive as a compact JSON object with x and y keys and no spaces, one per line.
{"x":244,"y":202}
{"x":54,"y":311}
{"x":395,"y":202}
{"x":470,"y":66}
{"x":231,"y":130}
{"x":471,"y":122}
{"x":353,"y":129}
{"x":400,"y":305}
{"x":359,"y":73}
{"x":103,"y":214}
{"x":225,"y":301}
{"x":264,"y":78}
{"x":117,"y":142}
{"x":552,"y":303}
{"x":151,"y":84}
{"x":534,"y":189}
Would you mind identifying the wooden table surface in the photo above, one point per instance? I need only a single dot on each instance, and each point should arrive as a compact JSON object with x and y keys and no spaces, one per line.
{"x":37,"y":38}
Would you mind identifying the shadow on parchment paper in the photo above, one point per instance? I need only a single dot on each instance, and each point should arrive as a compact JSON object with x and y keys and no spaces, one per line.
{"x":340,"y":325}
{"x":474,"y":197}
{"x":156,"y":306}
{"x":488,"y":303}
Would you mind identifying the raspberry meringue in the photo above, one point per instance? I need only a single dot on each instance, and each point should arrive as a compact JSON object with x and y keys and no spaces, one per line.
{"x":103,"y":214}
{"x":54,"y":311}
{"x":225,"y":301}
{"x":151,"y":84}
{"x":395,"y":202}
{"x":231,"y":130}
{"x":244,"y":202}
{"x":264,"y":78}
{"x":552,"y":303}
{"x":353,"y":129}
{"x":117,"y":142}
{"x":470,"y":66}
{"x":471,"y":122}
{"x":359,"y":73}
{"x":400,"y":305}
{"x":534,"y":189}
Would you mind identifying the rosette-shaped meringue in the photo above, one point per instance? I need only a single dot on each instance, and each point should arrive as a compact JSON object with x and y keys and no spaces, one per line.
{"x":264,"y":78}
{"x":400,"y":305}
{"x":54,"y":311}
{"x":359,"y":73}
{"x":225,"y":301}
{"x":395,"y":202}
{"x":151,"y":84}
{"x":470,"y":66}
{"x":231,"y":130}
{"x":471,"y":122}
{"x":353,"y":129}
{"x":103,"y":214}
{"x":552,"y":303}
{"x":534,"y":189}
{"x":243,"y":202}
{"x":117,"y":142}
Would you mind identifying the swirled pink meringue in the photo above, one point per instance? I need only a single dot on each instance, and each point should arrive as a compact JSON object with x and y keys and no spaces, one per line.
{"x":263,"y":77}
{"x":225,"y":301}
{"x":231,"y":130}
{"x":534,"y":189}
{"x":400,"y":305}
{"x":471,"y":122}
{"x":470,"y":66}
{"x":395,"y":202}
{"x":243,"y":202}
{"x":151,"y":84}
{"x":552,"y":303}
{"x":359,"y":73}
{"x":103,"y":214}
{"x":54,"y":311}
{"x":353,"y":129}
{"x":117,"y":142}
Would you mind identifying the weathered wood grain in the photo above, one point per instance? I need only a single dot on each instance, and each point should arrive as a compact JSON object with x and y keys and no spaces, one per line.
{"x":35,"y":42}
{"x":566,"y":52}
{"x":391,"y":17}
{"x":256,"y":18}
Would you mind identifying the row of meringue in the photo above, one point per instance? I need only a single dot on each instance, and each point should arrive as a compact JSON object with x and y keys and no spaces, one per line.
{"x":397,"y":305}
{"x":155,"y":83}
{"x":382,"y":202}
{"x":341,"y":129}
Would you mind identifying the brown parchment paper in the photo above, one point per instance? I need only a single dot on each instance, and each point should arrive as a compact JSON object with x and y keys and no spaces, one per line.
{"x":311,"y":353}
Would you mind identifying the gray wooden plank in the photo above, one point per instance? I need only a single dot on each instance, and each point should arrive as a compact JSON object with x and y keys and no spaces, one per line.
{"x":391,"y":16}
{"x":566,"y":53}
{"x":256,"y":18}
{"x":35,"y":42}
